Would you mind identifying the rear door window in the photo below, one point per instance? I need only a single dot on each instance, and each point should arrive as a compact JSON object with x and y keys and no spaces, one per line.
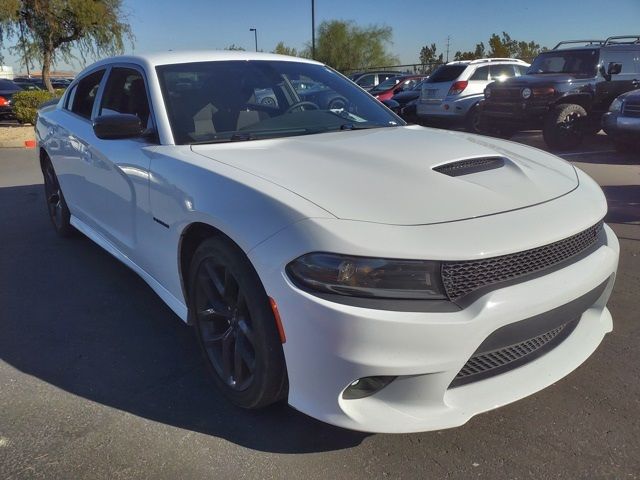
{"x":481,"y":73}
{"x":500,"y":73}
{"x":85,"y":94}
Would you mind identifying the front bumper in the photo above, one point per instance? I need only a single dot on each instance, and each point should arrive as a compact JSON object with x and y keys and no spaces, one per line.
{"x":523,"y":114}
{"x":614,"y":124}
{"x":330,"y":345}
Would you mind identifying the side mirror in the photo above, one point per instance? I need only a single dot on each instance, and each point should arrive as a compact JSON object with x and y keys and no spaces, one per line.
{"x":120,"y":125}
{"x":614,"y":68}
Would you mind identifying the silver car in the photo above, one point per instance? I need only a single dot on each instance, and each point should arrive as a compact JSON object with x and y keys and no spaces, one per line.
{"x":453,"y":91}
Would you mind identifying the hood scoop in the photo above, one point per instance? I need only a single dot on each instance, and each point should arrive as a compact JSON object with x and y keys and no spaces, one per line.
{"x":472,"y":165}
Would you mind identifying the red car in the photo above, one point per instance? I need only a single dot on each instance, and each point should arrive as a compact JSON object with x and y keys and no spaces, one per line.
{"x":388,"y":88}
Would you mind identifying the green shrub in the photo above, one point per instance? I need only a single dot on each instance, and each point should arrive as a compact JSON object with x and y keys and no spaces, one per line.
{"x":26,"y":103}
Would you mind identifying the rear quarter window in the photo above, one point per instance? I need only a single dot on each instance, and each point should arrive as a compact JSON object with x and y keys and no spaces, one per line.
{"x":447,"y":73}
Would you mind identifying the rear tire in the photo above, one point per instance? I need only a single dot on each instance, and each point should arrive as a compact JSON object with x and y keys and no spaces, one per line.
{"x":56,"y":204}
{"x":235,"y":326}
{"x":564,"y":126}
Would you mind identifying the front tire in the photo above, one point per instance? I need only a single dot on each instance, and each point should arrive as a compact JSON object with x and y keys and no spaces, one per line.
{"x":564,"y":126}
{"x":235,"y":326}
{"x":473,"y":122}
{"x":57,"y":208}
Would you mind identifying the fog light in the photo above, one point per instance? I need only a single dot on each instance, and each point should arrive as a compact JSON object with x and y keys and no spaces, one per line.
{"x":446,"y":107}
{"x":367,"y":386}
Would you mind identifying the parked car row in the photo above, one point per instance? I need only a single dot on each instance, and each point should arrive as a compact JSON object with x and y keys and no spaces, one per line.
{"x":7,"y":90}
{"x":576,"y":89}
{"x":10,"y":87}
{"x":28,"y":83}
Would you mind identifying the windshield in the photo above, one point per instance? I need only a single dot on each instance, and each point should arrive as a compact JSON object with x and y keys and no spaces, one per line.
{"x":226,"y":101}
{"x":577,"y":62}
{"x":446,"y":73}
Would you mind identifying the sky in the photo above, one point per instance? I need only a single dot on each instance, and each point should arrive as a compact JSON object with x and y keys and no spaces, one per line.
{"x":213,"y":24}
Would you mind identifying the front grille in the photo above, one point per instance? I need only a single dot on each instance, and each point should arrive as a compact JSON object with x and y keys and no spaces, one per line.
{"x":631,"y":109}
{"x":503,"y":93}
{"x":486,"y":364}
{"x":464,"y":277}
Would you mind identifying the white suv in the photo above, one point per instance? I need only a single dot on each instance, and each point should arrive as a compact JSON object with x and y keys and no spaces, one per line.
{"x":454,"y":90}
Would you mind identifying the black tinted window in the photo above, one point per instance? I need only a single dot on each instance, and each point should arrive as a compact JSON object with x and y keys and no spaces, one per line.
{"x":481,"y":73}
{"x":247,"y":100}
{"x":85,"y":94}
{"x":447,"y":73}
{"x":125,"y":92}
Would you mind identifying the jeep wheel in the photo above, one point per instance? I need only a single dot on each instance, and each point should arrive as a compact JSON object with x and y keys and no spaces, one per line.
{"x":563,"y":127}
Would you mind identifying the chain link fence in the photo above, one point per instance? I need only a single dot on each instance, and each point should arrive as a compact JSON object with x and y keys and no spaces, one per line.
{"x":408,"y":68}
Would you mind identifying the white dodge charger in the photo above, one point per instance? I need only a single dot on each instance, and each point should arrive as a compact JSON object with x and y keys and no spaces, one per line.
{"x":377,"y":276}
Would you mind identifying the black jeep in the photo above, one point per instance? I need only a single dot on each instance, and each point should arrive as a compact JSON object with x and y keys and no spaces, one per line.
{"x":565,"y":91}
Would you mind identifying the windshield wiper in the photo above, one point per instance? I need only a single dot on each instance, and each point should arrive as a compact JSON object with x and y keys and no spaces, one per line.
{"x":246,"y":136}
{"x":361,"y":126}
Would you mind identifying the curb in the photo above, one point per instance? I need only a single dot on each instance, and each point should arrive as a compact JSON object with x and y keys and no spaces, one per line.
{"x":13,"y":144}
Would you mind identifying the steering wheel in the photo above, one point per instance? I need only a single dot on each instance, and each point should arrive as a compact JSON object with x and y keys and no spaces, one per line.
{"x":302,"y":104}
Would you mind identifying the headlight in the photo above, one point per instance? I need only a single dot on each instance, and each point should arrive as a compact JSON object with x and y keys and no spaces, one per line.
{"x":616,"y":105}
{"x":487,"y":92}
{"x":526,"y":93}
{"x":367,"y":277}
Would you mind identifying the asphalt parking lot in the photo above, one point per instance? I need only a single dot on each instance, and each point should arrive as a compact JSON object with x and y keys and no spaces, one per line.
{"x":98,"y":379}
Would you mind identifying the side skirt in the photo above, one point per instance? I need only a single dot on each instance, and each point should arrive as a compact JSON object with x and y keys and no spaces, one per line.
{"x":174,"y":303}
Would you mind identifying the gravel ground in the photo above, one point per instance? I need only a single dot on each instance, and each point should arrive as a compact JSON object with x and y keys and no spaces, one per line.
{"x":13,"y":135}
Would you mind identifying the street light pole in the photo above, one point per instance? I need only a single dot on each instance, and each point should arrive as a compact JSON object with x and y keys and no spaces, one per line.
{"x":313,"y":29}
{"x":255,"y":34}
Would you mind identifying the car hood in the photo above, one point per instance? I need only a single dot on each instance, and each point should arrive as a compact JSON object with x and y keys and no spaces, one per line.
{"x":386,"y":175}
{"x":539,"y":79}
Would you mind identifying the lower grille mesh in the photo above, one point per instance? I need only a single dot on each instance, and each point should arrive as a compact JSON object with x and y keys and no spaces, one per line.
{"x":461,"y":278}
{"x":491,"y":363}
{"x":499,"y":358}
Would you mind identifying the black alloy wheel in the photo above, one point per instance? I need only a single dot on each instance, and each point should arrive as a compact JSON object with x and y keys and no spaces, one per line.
{"x":235,"y":325}
{"x":225,"y":325}
{"x":56,"y":204}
